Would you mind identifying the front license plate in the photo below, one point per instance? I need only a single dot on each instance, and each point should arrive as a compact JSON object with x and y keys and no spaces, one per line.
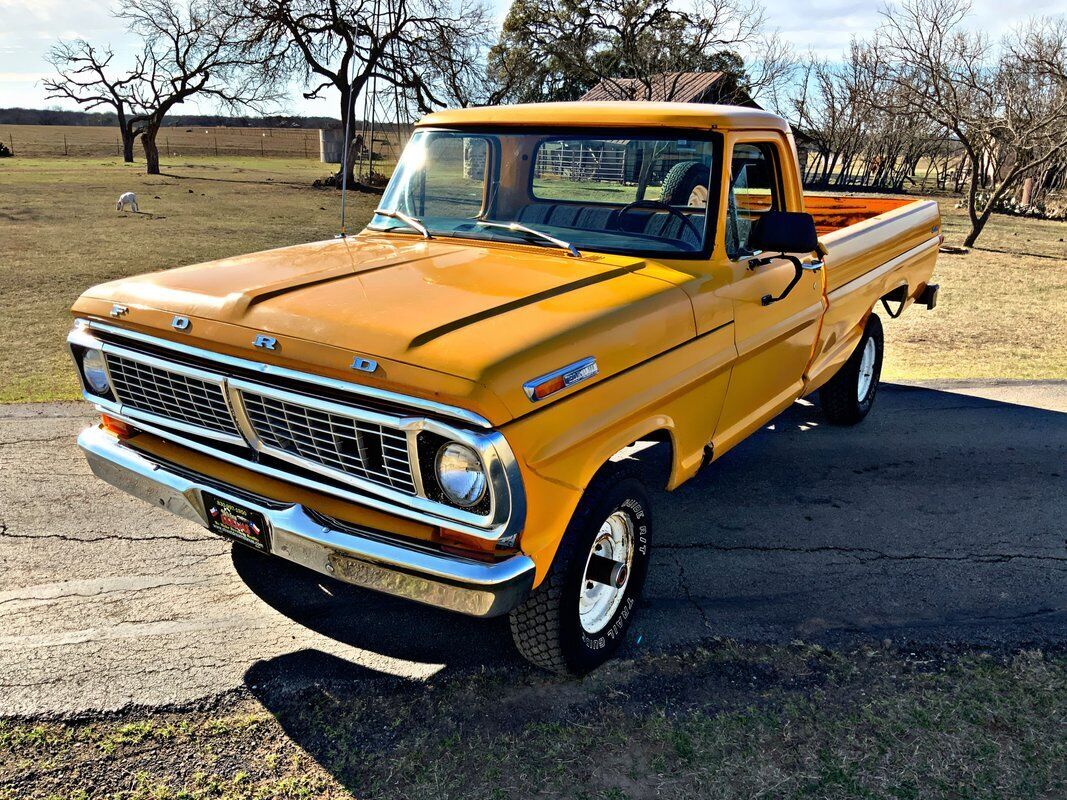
{"x":237,"y":522}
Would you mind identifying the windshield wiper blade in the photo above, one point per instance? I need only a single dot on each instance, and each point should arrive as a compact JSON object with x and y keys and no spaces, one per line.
{"x":412,"y":222}
{"x":518,"y":227}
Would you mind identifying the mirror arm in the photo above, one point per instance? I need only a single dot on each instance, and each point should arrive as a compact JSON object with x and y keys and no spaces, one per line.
{"x":799,"y":267}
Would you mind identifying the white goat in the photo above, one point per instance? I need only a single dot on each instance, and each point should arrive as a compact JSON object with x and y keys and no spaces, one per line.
{"x":127,"y":199}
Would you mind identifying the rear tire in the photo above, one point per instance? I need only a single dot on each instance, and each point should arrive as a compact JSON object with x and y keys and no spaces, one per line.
{"x":847,"y":397}
{"x":569,"y":624}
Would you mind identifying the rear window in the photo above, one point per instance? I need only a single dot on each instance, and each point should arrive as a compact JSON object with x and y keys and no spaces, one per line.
{"x":580,"y":169}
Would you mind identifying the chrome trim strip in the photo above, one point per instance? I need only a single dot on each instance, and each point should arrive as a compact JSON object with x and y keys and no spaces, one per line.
{"x":417,"y":573}
{"x":384,"y":395}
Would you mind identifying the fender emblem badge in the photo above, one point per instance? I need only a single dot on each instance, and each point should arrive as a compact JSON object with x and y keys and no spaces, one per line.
{"x":266,"y":342}
{"x":364,"y":364}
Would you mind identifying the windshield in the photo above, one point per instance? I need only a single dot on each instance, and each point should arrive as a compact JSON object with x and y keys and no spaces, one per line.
{"x":641,"y":195}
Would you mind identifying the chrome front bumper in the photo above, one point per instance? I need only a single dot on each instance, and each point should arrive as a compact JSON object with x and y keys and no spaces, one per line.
{"x":362,"y":558}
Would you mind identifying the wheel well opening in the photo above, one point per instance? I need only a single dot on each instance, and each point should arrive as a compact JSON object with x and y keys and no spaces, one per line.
{"x":651,"y":456}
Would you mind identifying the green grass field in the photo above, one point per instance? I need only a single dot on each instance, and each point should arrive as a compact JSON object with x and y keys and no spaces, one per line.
{"x":1001,"y":312}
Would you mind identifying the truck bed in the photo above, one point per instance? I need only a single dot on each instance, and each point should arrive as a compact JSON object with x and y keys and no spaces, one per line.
{"x":873,"y":247}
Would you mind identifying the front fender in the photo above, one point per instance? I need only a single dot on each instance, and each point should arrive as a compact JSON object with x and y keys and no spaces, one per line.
{"x":562,"y":446}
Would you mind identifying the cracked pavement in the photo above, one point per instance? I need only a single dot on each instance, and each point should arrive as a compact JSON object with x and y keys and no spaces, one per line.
{"x":941,"y":519}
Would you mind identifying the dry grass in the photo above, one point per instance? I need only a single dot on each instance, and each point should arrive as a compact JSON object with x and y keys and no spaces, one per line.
{"x":733,"y":721}
{"x":1001,"y":312}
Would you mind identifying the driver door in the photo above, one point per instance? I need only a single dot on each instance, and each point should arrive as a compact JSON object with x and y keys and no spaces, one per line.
{"x":774,"y":342}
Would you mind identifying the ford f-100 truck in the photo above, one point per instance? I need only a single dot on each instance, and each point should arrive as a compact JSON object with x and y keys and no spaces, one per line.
{"x":442,"y":406}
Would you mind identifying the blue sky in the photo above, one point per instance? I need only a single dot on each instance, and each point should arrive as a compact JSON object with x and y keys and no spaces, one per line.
{"x":30,"y":27}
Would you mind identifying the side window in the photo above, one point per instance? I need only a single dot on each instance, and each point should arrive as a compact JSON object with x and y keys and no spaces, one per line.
{"x":754,"y":189}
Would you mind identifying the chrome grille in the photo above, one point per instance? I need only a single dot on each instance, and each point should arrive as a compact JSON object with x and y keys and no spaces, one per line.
{"x":171,"y":395}
{"x":355,"y":447}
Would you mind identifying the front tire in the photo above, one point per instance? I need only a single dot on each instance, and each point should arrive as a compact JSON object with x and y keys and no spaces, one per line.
{"x":847,"y":397}
{"x":578,"y":616}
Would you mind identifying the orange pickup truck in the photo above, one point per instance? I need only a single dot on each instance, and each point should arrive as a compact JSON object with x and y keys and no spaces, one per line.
{"x":443,"y":406}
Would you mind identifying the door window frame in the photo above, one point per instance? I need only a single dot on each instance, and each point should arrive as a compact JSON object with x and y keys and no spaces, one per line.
{"x":774,"y":149}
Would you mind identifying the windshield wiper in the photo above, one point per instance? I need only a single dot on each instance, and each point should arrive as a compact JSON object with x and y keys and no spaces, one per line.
{"x":518,"y":227}
{"x":412,"y":222}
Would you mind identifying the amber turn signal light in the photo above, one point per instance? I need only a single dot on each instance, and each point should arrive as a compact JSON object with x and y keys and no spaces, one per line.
{"x":117,"y":426}
{"x":463,"y":544}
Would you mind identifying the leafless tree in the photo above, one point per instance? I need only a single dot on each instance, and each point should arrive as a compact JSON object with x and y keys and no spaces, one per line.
{"x":1005,"y":103}
{"x":87,"y":77}
{"x":424,"y":51}
{"x":637,"y":49}
{"x":843,"y":111}
{"x":189,"y":51}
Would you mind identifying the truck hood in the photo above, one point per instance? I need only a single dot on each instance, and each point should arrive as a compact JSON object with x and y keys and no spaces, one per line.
{"x":489,"y":316}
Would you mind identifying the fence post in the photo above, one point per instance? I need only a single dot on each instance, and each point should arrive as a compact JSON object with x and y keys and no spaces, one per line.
{"x":216,"y":145}
{"x":64,"y":144}
{"x":262,"y":151}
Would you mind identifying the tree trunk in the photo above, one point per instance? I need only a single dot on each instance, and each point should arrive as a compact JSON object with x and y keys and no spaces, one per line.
{"x":151,"y":152}
{"x":347,"y":100}
{"x":127,"y":146}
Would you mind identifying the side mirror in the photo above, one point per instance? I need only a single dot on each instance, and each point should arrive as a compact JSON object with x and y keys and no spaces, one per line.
{"x":785,"y":232}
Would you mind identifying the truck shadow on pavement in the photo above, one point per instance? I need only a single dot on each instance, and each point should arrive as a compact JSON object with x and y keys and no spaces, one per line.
{"x":938,"y":520}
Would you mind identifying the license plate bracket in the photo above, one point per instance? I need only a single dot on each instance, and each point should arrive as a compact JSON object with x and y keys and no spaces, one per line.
{"x":235,"y":521}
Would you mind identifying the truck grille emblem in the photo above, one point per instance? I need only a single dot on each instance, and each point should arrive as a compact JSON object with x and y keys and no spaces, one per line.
{"x":266,"y":342}
{"x":180,"y":323}
{"x":119,"y":310}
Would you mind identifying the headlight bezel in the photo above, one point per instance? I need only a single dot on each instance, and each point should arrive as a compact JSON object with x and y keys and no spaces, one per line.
{"x":96,"y":377}
{"x":80,"y":342}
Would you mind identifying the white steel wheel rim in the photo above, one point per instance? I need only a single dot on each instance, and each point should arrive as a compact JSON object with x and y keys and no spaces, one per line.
{"x":598,"y":602}
{"x":698,"y":197}
{"x":866,"y":376}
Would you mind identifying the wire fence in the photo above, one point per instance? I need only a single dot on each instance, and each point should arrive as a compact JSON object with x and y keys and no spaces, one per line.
{"x":57,"y":141}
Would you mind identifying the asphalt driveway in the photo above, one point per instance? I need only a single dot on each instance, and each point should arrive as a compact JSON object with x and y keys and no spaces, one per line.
{"x":940,"y":519}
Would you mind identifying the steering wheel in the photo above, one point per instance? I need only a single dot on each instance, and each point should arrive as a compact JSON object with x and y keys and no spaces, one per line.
{"x":657,"y":204}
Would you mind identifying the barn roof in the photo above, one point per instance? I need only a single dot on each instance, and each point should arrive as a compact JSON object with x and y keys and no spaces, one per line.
{"x":677,"y":87}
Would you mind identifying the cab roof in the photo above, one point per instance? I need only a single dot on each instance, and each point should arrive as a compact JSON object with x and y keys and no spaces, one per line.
{"x":614,"y":114}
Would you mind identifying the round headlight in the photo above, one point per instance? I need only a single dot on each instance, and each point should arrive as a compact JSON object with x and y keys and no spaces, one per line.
{"x":460,"y":473}
{"x":95,"y":371}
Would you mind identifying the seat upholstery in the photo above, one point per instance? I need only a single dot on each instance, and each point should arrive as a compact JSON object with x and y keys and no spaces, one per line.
{"x":570,"y":215}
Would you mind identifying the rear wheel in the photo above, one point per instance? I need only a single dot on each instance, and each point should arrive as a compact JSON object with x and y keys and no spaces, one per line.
{"x":576,"y":619}
{"x":847,"y":397}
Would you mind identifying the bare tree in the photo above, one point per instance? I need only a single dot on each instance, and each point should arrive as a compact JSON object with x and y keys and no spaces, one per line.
{"x":87,"y":77}
{"x":1005,"y":103}
{"x":843,"y":109}
{"x":189,"y":51}
{"x":422,"y":50}
{"x":637,"y":49}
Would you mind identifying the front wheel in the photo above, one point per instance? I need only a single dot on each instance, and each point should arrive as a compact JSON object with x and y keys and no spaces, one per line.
{"x":578,"y":616}
{"x":847,"y":397}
